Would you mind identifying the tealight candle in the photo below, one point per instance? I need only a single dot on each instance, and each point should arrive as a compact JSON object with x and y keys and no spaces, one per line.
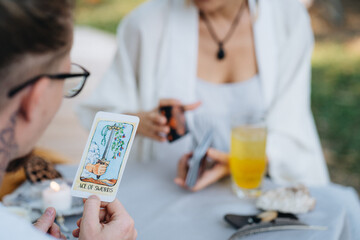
{"x":57,"y":196}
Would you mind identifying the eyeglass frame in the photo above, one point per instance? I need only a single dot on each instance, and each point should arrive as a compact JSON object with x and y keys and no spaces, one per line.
{"x":60,"y":76}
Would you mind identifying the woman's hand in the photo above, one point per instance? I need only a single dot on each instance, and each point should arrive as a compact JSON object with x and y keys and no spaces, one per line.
{"x":105,"y":221}
{"x":154,"y":125}
{"x":219,"y":170}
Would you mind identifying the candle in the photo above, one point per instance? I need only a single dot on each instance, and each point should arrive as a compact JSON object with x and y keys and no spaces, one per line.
{"x":57,"y":196}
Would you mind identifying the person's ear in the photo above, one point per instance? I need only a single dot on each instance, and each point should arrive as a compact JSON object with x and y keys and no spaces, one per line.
{"x":33,"y":99}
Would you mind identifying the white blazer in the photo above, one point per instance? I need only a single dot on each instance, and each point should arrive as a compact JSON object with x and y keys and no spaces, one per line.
{"x":157,"y":58}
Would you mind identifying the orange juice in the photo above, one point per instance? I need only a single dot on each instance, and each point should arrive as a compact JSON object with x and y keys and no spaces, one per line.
{"x":247,"y":156}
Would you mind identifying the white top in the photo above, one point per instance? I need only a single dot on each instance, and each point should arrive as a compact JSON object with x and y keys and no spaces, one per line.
{"x":157,"y":58}
{"x":224,"y":106}
{"x":16,"y":228}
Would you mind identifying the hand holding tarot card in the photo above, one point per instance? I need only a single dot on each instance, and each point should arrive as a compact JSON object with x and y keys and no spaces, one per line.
{"x":105,"y":156}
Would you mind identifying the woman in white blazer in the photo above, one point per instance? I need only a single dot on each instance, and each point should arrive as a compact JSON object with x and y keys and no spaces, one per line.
{"x":168,"y":48}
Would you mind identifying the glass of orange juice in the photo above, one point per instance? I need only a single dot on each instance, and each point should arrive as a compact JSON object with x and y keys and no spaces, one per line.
{"x":248,"y":159}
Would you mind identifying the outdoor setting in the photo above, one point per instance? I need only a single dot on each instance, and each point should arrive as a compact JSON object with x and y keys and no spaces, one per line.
{"x":180,"y":119}
{"x":335,"y":82}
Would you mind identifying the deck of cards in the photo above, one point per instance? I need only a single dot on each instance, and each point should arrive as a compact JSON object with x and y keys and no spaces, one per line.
{"x":198,"y":159}
{"x":105,"y":156}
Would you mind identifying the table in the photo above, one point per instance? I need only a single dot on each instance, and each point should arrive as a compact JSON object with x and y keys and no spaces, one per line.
{"x":162,"y":210}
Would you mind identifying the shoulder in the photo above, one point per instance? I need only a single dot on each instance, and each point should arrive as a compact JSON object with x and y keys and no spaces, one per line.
{"x":148,"y":15}
{"x":290,"y":9}
{"x":288,"y":14}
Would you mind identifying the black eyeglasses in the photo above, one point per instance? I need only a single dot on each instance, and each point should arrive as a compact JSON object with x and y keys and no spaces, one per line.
{"x":74,"y":81}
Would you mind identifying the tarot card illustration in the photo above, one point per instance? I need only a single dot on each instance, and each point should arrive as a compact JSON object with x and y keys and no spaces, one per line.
{"x":105,"y":155}
{"x":106,"y":152}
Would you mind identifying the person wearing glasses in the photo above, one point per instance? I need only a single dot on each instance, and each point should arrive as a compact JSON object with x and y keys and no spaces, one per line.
{"x":242,"y":59}
{"x":35,"y":74}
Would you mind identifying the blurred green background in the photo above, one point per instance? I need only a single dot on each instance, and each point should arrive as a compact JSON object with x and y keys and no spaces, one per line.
{"x":336,"y":75}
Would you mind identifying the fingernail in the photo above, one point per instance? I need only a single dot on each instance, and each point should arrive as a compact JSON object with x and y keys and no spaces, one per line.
{"x":50,"y":212}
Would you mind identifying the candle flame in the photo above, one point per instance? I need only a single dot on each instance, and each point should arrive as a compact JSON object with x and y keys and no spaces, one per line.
{"x":55,"y":186}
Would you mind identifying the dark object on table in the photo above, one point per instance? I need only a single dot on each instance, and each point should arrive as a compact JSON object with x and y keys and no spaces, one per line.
{"x":176,"y":121}
{"x":239,"y":221}
{"x":279,"y":224}
{"x":15,"y":172}
{"x":17,"y":163}
{"x":38,"y":169}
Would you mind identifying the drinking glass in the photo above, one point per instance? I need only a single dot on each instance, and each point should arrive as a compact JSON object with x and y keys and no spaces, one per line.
{"x":248,"y":158}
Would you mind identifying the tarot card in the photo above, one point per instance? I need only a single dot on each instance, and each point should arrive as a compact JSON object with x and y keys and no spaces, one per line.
{"x":105,"y":155}
{"x":176,"y":121}
{"x":197,"y":161}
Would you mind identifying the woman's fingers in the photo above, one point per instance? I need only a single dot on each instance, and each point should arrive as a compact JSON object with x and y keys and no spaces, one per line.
{"x":157,"y":118}
{"x":150,"y":123}
{"x":161,"y":129}
{"x":211,"y":176}
{"x":182,"y":170}
{"x":175,"y":102}
{"x":155,"y":136}
{"x":217,"y":156}
{"x":192,"y":106}
{"x":169,"y":102}
{"x":151,"y":128}
{"x":179,"y":181}
{"x":154,"y":126}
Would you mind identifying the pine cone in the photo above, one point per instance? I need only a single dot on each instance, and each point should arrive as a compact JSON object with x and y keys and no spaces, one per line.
{"x":38,"y":169}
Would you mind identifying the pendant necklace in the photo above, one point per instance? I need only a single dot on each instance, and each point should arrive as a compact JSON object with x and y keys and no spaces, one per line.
{"x":221,"y":52}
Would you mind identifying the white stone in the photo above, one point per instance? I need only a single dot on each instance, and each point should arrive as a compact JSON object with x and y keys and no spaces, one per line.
{"x":287,"y":200}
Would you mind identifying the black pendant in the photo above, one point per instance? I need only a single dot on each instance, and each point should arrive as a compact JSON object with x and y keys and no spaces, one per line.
{"x":221,"y":52}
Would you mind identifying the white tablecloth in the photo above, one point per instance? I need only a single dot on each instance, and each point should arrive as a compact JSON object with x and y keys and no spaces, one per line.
{"x":163,"y":211}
